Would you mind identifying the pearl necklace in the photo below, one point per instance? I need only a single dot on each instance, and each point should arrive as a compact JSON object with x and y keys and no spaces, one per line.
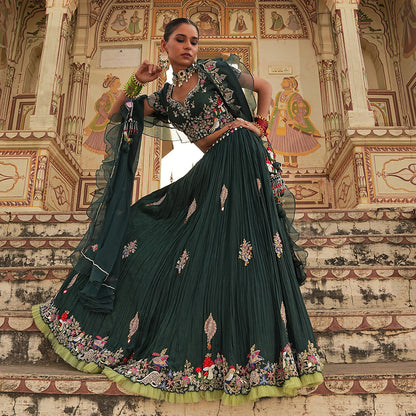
{"x":183,"y":75}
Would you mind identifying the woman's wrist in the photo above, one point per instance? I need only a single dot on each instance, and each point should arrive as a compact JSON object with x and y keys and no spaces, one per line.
{"x":133,"y":86}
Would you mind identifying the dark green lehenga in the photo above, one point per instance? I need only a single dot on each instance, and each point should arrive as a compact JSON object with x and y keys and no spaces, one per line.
{"x":207,"y":304}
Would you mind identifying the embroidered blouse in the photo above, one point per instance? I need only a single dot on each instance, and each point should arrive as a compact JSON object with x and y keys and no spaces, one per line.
{"x":203,"y":111}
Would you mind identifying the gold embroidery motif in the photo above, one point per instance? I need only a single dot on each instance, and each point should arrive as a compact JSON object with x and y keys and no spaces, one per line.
{"x":278,"y":247}
{"x":245,"y":253}
{"x":191,"y":210}
{"x":182,"y":261}
{"x":134,"y":326}
{"x":210,"y":329}
{"x":223,"y":196}
{"x":258,"y":184}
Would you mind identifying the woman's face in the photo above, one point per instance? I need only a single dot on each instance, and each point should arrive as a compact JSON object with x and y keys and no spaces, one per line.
{"x":182,"y":46}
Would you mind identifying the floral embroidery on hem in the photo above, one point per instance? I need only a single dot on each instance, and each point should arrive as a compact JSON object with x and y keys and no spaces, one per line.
{"x":215,"y":373}
{"x":129,"y":248}
{"x":69,"y":334}
{"x":245,"y":252}
{"x":182,"y":261}
{"x":278,"y":247}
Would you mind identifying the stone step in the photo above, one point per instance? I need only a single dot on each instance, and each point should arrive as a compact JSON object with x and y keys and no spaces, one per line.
{"x":382,"y":250}
{"x":329,"y":288}
{"x":360,"y":336}
{"x":328,"y":222}
{"x":42,"y":224}
{"x":324,"y":223}
{"x":348,"y":390}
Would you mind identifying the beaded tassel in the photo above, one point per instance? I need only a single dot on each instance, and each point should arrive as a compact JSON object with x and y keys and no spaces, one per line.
{"x":131,"y":126}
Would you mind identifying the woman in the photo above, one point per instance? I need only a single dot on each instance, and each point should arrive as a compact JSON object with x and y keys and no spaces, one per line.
{"x":202,"y":300}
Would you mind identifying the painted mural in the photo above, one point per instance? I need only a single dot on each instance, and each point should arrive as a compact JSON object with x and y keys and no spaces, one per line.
{"x":4,"y":13}
{"x":96,"y":128}
{"x":282,"y":21}
{"x":292,"y":133}
{"x":408,"y":16}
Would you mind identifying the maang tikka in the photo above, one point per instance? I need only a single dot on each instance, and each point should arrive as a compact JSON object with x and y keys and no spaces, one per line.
{"x":163,"y":60}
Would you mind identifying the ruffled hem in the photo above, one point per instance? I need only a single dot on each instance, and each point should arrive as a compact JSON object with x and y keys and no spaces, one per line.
{"x":289,"y":388}
{"x":63,"y":352}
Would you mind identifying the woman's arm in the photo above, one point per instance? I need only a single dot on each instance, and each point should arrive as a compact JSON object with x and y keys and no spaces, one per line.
{"x":263,"y":89}
{"x":146,"y":72}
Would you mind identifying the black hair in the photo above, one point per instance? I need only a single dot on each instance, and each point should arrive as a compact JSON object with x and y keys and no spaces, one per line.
{"x":173,"y":24}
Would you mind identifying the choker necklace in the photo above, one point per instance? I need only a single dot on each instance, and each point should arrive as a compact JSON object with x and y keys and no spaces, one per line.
{"x":183,"y":75}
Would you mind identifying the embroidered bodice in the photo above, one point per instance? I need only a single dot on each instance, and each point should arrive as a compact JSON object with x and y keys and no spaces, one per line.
{"x":202,"y":112}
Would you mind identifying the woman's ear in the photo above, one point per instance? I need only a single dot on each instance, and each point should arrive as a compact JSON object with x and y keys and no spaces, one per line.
{"x":163,"y":45}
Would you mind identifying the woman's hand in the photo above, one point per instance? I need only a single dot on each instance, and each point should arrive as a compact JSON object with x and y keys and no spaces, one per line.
{"x":147,"y":72}
{"x":239,"y":122}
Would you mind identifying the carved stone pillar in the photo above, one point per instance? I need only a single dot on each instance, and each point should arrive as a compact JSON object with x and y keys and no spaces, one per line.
{"x":331,"y":107}
{"x":52,"y":65}
{"x":360,"y":175}
{"x":76,"y":106}
{"x":353,"y":76}
{"x":5,"y":96}
{"x":39,"y":189}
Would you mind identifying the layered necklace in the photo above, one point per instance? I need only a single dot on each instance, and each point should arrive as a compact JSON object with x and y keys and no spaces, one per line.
{"x":183,"y":75}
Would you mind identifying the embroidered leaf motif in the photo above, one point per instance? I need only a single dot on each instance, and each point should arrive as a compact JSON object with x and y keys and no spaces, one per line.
{"x":283,"y":313}
{"x":191,"y":210}
{"x":157,"y":202}
{"x":182,"y":261}
{"x":245,"y":253}
{"x":223,"y":196}
{"x":134,"y":326}
{"x":278,"y":247}
{"x":258,"y":184}
{"x":129,"y":248}
{"x":73,"y":280}
{"x":210,"y":329}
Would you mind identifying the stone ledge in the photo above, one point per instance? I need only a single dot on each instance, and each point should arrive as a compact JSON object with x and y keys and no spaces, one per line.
{"x":324,"y":321}
{"x":405,"y":212}
{"x":315,"y":273}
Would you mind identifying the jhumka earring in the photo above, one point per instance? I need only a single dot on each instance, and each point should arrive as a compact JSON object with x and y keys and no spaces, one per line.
{"x":163,"y":60}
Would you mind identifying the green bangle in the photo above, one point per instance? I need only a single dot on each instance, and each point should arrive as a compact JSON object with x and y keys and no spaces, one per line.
{"x":133,"y":86}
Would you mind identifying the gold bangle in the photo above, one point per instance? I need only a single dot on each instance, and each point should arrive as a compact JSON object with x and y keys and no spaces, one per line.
{"x":261,"y":130}
{"x":262,"y":118}
{"x":136,"y":81}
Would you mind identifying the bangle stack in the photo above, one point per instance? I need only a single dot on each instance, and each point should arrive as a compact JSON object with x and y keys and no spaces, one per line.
{"x":262,"y":124}
{"x":133,"y":86}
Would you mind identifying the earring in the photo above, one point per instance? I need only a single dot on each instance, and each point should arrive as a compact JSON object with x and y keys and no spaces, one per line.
{"x":163,"y":60}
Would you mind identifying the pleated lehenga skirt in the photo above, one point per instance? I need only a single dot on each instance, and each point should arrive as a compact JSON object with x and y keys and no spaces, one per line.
{"x":207,"y":303}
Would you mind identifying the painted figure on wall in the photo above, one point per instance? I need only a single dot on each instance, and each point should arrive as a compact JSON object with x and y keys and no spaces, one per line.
{"x":293,"y":22}
{"x":240,"y":24}
{"x":292,"y":134}
{"x":95,"y":130}
{"x":134,"y":26}
{"x":277,"y":22}
{"x":166,"y":19}
{"x":408,"y":16}
{"x":95,"y":10}
{"x":119,"y":23}
{"x":207,"y":25}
